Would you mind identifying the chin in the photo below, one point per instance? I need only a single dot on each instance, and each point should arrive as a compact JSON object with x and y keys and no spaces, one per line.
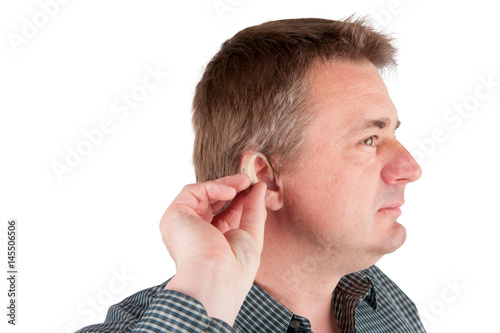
{"x":389,"y":240}
{"x":395,"y":239}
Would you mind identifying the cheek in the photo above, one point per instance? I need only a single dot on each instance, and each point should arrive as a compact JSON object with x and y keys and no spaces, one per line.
{"x":354,"y":198}
{"x":328,"y":196}
{"x":332,"y":187}
{"x":355,"y":187}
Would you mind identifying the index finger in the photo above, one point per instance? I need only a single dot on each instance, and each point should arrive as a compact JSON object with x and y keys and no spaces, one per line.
{"x":239,"y":181}
{"x":204,"y":198}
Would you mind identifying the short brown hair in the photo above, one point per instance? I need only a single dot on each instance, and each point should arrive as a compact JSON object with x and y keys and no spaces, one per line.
{"x":253,"y":93}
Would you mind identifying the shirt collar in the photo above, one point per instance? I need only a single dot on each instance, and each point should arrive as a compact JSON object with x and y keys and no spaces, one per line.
{"x":359,"y":285}
{"x":260,"y":312}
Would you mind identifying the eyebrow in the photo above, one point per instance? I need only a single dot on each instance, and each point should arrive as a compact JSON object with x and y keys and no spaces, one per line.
{"x":371,"y":123}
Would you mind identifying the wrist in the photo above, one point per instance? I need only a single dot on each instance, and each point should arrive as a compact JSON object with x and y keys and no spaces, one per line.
{"x":220,"y":293}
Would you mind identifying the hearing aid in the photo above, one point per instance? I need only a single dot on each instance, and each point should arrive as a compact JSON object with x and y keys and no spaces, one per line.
{"x":248,"y":167}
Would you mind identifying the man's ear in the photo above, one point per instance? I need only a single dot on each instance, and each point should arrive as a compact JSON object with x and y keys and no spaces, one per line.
{"x":257,"y":167}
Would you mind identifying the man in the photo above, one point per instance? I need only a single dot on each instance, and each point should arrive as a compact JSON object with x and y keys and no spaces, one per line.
{"x":301,"y":107}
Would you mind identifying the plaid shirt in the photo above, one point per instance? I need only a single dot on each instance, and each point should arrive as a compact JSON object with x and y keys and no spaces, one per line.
{"x":365,"y":301}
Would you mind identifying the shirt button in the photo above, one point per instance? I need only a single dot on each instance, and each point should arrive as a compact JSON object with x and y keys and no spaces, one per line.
{"x":295,"y":324}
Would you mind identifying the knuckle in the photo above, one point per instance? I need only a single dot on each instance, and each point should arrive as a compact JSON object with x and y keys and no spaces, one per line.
{"x":188,"y":187}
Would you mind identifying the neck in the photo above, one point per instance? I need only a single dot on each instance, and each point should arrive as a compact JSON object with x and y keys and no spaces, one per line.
{"x":300,"y":277}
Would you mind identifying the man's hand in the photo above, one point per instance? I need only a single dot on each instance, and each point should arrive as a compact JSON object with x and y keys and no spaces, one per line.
{"x":217,"y":257}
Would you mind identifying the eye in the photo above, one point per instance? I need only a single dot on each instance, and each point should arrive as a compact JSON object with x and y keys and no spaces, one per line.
{"x":371,"y":141}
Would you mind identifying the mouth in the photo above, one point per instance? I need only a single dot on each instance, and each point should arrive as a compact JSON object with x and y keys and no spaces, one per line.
{"x":392,"y":209}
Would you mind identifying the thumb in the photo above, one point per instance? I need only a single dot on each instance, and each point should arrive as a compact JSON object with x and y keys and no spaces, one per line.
{"x":254,"y":213}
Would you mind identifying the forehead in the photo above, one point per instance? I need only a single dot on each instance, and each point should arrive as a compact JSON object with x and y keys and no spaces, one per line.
{"x":344,"y":94}
{"x":345,"y":77}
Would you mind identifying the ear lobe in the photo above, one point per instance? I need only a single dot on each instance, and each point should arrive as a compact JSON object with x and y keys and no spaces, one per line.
{"x":257,"y":167}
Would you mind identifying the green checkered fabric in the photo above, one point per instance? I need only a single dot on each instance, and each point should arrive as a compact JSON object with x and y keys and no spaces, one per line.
{"x":364,"y":302}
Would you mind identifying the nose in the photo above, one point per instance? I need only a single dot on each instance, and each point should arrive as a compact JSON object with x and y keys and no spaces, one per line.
{"x":400,"y":166}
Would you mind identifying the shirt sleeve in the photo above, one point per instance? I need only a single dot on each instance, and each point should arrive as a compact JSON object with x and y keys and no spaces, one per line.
{"x":158,"y":311}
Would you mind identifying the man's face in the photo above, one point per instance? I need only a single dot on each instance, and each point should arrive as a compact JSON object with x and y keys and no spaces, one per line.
{"x":346,"y":194}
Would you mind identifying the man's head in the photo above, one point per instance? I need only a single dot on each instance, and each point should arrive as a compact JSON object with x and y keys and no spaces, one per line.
{"x":345,"y":195}
{"x":307,"y":94}
{"x":254,"y":94}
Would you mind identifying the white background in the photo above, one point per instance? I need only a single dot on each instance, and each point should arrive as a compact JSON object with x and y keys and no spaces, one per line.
{"x":101,"y":221}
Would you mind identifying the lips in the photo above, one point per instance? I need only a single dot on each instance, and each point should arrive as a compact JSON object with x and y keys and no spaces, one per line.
{"x":391,"y":208}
